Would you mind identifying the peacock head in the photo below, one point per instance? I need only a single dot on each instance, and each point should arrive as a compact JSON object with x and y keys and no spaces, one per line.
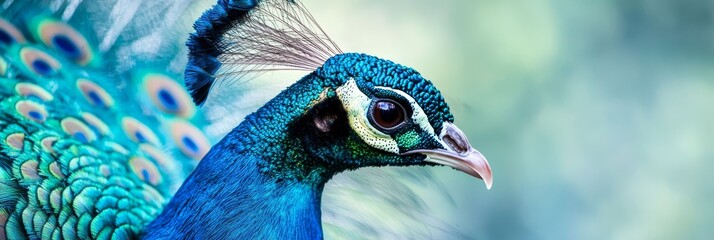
{"x":373,"y":112}
{"x":352,"y":111}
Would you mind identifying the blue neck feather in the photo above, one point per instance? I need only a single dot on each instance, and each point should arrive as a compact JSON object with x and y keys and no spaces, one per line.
{"x":247,"y":186}
{"x":228,"y":197}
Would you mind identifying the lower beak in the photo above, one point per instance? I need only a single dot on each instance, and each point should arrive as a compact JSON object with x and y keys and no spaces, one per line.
{"x":459,"y":155}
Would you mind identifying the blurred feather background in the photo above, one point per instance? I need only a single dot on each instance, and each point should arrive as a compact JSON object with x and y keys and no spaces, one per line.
{"x":596,"y":116}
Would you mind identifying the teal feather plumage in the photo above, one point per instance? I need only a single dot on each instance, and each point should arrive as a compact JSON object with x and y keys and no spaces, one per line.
{"x":101,"y":140}
{"x":95,"y":139}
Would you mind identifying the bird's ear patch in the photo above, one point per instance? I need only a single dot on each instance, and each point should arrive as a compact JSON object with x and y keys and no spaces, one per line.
{"x":326,"y":117}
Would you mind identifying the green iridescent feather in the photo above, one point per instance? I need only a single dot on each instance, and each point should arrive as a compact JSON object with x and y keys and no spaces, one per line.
{"x":81,"y":156}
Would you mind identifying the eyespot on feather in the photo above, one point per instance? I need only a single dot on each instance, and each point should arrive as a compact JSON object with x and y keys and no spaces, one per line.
{"x":152,"y":195}
{"x":30,"y":90}
{"x":95,"y":94}
{"x":116,"y":147}
{"x":65,"y":39}
{"x":77,"y":129}
{"x":145,"y":170}
{"x":3,"y":67}
{"x":96,"y":124}
{"x":29,"y":170}
{"x":56,"y":199}
{"x":9,"y":34}
{"x":138,"y":132}
{"x":39,"y":62}
{"x":55,"y":170}
{"x":157,"y":155}
{"x":31,"y":110}
{"x":105,"y":170}
{"x":47,"y":144}
{"x":168,"y":95}
{"x":16,"y":140}
{"x":190,"y":140}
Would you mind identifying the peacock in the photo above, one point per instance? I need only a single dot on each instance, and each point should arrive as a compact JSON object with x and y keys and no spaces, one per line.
{"x":104,"y":136}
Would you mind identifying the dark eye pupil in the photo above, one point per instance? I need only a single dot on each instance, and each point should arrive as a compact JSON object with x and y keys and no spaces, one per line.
{"x":387,"y":114}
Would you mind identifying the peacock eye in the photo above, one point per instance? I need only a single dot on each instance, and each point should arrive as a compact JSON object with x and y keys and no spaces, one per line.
{"x":387,"y":114}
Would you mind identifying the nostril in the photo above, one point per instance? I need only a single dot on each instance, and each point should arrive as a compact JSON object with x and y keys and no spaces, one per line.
{"x":455,"y":143}
{"x":455,"y":139}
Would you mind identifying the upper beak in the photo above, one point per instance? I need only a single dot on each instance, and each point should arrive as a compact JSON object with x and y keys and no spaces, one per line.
{"x":459,"y":155}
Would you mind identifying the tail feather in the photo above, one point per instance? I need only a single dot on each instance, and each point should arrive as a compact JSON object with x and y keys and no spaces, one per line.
{"x":96,"y":133}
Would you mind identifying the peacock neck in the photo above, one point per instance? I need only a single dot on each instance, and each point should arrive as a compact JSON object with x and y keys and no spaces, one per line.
{"x":228,"y":197}
{"x":256,"y":183}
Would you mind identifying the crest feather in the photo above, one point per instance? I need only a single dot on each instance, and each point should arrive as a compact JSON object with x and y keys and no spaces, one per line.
{"x":235,"y":38}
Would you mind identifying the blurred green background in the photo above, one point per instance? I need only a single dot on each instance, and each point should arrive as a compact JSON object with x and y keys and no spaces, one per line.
{"x":596,"y":116}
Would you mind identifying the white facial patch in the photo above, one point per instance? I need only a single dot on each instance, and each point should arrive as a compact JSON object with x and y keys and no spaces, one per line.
{"x":356,"y":104}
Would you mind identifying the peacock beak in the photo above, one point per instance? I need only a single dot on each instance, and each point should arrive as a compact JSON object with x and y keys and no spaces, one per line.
{"x":459,"y":154}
